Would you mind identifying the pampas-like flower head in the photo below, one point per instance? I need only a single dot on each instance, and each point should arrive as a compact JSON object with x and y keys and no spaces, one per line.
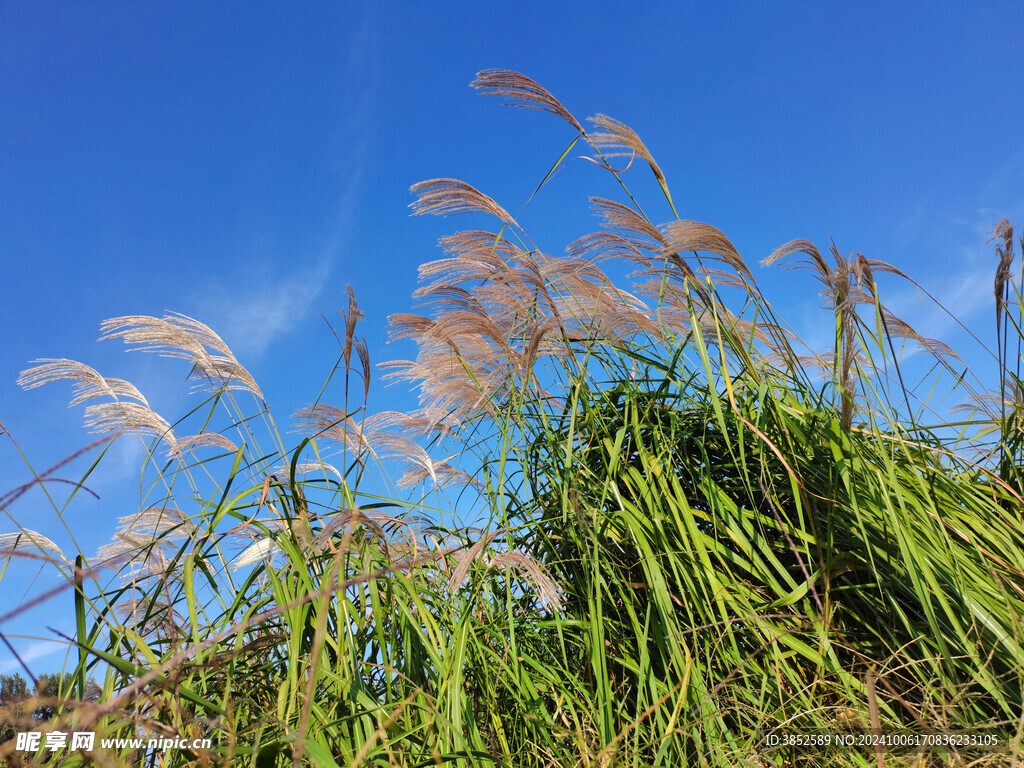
{"x":621,"y":135}
{"x":521,"y":91}
{"x":179,"y":336}
{"x":451,"y":197}
{"x":87,"y":382}
{"x":28,"y":540}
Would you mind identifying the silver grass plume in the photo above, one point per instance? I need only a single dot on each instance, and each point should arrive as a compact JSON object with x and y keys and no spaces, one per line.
{"x":1004,"y":252}
{"x":465,"y":559}
{"x":120,"y":414}
{"x":548,"y":590}
{"x":305,"y":467}
{"x":134,"y":417}
{"x":86,"y":382}
{"x":599,"y":246}
{"x":137,"y":556}
{"x":451,"y":388}
{"x":158,"y":521}
{"x":421,"y":466}
{"x":352,"y":316}
{"x":191,"y":443}
{"x":520,"y":91}
{"x":629,"y":224}
{"x":262,"y":549}
{"x":143,"y":542}
{"x":343,"y":524}
{"x":451,"y":197}
{"x":329,"y":422}
{"x":412,"y":424}
{"x":843,"y":297}
{"x":179,"y":336}
{"x":618,"y":134}
{"x":26,"y":539}
{"x":695,"y":236}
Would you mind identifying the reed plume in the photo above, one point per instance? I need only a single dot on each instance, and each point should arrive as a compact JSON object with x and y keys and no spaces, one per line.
{"x":190,"y":443}
{"x":26,"y":539}
{"x":1004,"y":252}
{"x":179,"y":336}
{"x":143,"y":545}
{"x":521,"y":91}
{"x":132,"y":417}
{"x":86,"y":382}
{"x":619,"y":135}
{"x":451,"y":197}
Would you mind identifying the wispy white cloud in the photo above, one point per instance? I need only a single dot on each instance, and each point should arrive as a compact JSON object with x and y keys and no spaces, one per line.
{"x":262,"y":307}
{"x":955,"y":261}
{"x":274,"y":294}
{"x":1004,"y":183}
{"x":959,"y":279}
{"x":960,"y":298}
{"x":37,"y":650}
{"x":123,"y":461}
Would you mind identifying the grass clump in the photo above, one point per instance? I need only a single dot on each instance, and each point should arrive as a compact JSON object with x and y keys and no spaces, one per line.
{"x":689,"y":537}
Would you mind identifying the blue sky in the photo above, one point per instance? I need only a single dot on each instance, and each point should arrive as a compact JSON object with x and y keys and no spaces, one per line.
{"x":241,"y":163}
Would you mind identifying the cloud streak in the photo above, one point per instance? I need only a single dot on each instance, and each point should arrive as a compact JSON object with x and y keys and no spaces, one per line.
{"x":35,"y":651}
{"x":274,"y":295}
{"x":256,"y":312}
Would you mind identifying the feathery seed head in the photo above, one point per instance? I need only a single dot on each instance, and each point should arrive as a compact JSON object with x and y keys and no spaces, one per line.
{"x":629,"y":224}
{"x":451,"y":197}
{"x":179,"y":336}
{"x":1002,"y":231}
{"x":352,"y":316}
{"x":28,"y":540}
{"x":304,"y":467}
{"x":332,"y":423}
{"x":521,"y":91}
{"x":87,"y":381}
{"x":465,"y":559}
{"x":263,"y":549}
{"x":157,"y":522}
{"x":132,"y":417}
{"x":548,"y":590}
{"x":191,"y":443}
{"x":619,"y":134}
{"x":695,"y":236}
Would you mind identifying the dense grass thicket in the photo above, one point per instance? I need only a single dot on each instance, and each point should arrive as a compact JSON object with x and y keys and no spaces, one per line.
{"x":685,"y":537}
